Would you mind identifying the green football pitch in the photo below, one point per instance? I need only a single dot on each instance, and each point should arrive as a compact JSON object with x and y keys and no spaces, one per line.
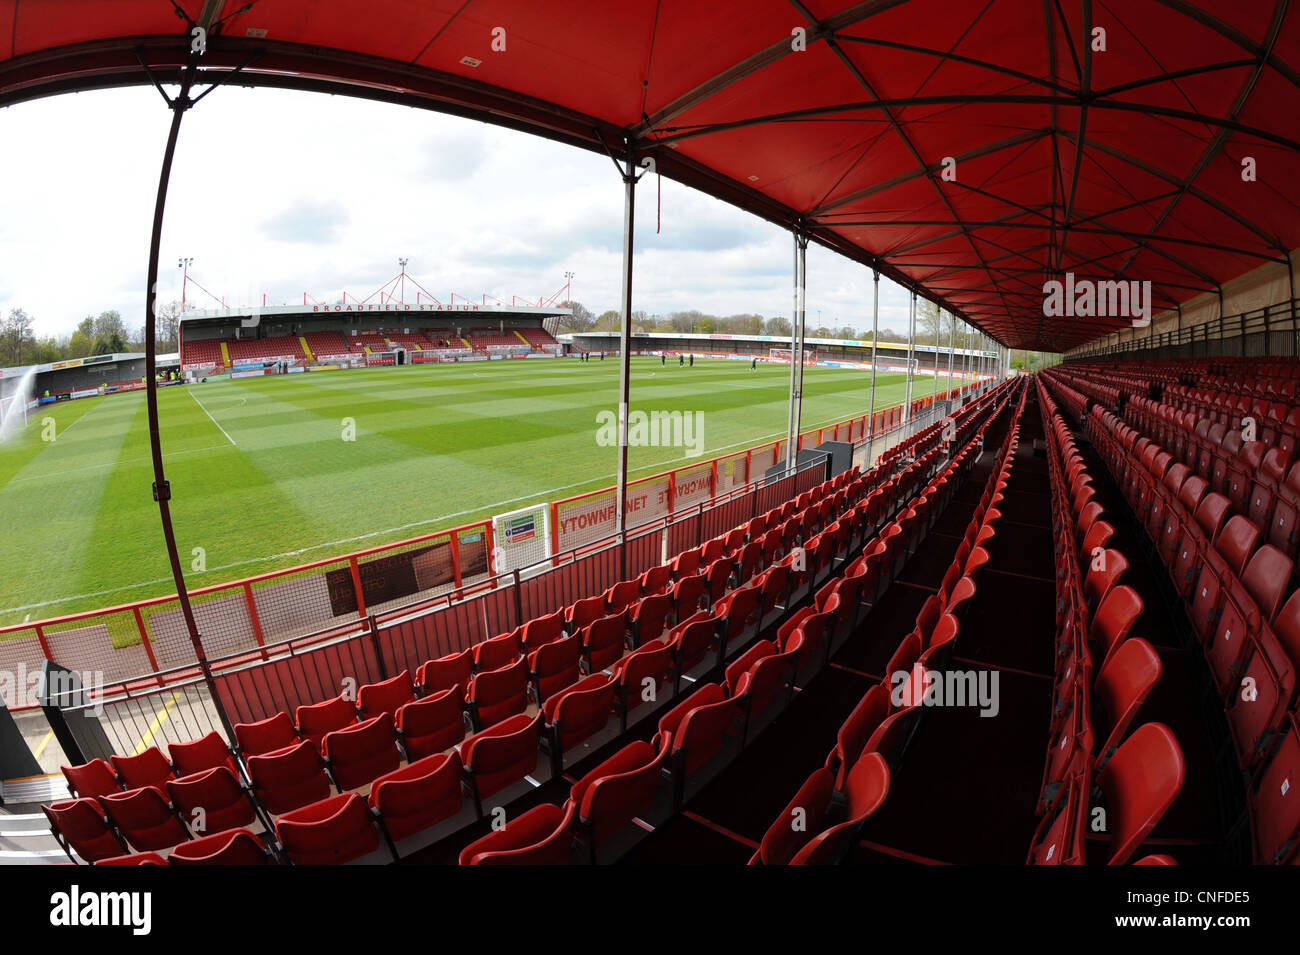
{"x":263,"y":478}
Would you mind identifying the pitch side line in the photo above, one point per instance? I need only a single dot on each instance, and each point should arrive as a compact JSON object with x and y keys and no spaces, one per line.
{"x":209,"y":414}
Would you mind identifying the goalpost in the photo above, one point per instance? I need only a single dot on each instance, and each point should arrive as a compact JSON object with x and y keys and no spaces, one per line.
{"x":787,"y":355}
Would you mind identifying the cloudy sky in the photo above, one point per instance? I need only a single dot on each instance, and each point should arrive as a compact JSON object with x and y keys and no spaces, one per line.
{"x":283,"y":193}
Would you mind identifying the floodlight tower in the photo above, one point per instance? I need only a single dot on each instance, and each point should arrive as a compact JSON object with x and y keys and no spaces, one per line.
{"x":401,"y":295}
{"x":184,"y":266}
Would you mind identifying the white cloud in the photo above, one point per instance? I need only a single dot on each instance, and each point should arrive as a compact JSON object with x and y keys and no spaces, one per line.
{"x":280,"y":193}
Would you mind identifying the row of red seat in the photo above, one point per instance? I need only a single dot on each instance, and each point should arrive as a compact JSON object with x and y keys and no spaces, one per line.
{"x":822,"y":820}
{"x":1102,"y":676}
{"x":1256,"y":476}
{"x":1233,"y":588}
{"x":1229,"y":378}
{"x":288,"y":765}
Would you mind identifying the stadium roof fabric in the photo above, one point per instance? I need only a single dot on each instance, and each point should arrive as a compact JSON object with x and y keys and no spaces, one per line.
{"x":1113,"y":155}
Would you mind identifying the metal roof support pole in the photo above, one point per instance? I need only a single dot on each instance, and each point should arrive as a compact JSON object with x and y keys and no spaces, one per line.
{"x":161,"y":488}
{"x":625,"y":358}
{"x":952,"y":344}
{"x":875,"y":331}
{"x":911,"y":346}
{"x":797,"y":334}
{"x":1290,"y":275}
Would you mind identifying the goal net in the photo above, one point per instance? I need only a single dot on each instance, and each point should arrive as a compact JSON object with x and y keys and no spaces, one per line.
{"x":786,"y":355}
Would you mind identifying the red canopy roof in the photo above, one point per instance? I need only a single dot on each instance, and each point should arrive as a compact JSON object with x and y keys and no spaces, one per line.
{"x":1117,"y":163}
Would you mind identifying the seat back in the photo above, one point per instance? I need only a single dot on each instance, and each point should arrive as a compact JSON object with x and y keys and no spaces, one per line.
{"x":1140,"y":782}
{"x":237,"y":847}
{"x":432,"y":724}
{"x":1121,"y":687}
{"x":330,"y":832}
{"x":363,"y":752}
{"x":317,"y":719}
{"x":541,"y":836}
{"x":418,"y":795}
{"x":289,"y":778}
{"x":266,"y":736}
{"x":434,"y":676}
{"x":386,"y":696}
{"x":495,"y":694}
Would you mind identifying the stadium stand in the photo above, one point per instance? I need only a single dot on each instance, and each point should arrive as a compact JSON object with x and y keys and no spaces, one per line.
{"x":287,"y":346}
{"x":402,"y":748}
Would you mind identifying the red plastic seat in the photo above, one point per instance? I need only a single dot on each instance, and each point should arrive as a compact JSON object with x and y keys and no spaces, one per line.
{"x":541,"y":836}
{"x":1266,"y":577}
{"x":1236,"y":542}
{"x":686,"y":564}
{"x":212,"y":801}
{"x":737,"y":612}
{"x":1111,"y":623}
{"x":692,"y":639}
{"x":434,"y":676}
{"x":144,"y":818}
{"x":1104,"y":571}
{"x":1122,"y":686}
{"x":494,"y":695}
{"x":362,"y":752}
{"x":1257,"y":722}
{"x":641,"y":676}
{"x":612,"y":794}
{"x":695,"y":729}
{"x":657,"y":580}
{"x":648,"y":618}
{"x":135,"y":858}
{"x":334,"y":831}
{"x":688,"y":594}
{"x":718,"y":575}
{"x":501,"y":755}
{"x":798,"y":822}
{"x":1140,"y":782}
{"x":315,"y":720}
{"x":499,"y":651}
{"x":865,"y":791}
{"x":79,"y":826}
{"x":207,"y":752}
{"x":540,"y":631}
{"x":625,"y":593}
{"x":432,"y":724}
{"x":266,"y":736}
{"x":1275,"y":802}
{"x":288,"y":778}
{"x":387,"y":696}
{"x":856,"y":730}
{"x":581,"y":613}
{"x":554,"y":666}
{"x":236,"y":847}
{"x":418,"y":796}
{"x":95,"y":778}
{"x":604,"y":641}
{"x":147,"y":768}
{"x":578,"y":713}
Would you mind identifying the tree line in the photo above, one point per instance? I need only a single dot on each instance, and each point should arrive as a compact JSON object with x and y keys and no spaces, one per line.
{"x":101,"y":334}
{"x":928,"y":322}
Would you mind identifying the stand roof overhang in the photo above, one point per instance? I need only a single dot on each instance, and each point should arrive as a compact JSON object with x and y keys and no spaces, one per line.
{"x":973,"y":150}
